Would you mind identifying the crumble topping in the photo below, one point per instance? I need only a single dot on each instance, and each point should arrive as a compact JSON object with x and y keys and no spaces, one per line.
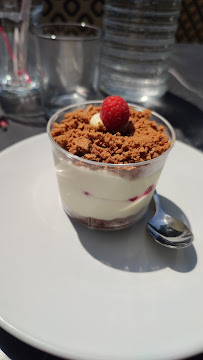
{"x":140,"y":140}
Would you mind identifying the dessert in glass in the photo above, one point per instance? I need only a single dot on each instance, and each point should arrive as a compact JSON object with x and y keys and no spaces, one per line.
{"x":106,"y":169}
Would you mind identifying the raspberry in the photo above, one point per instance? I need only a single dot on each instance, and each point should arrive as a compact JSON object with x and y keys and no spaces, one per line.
{"x":114,"y":113}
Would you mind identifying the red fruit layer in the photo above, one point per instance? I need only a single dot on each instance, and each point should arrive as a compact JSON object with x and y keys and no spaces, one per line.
{"x":150,"y":188}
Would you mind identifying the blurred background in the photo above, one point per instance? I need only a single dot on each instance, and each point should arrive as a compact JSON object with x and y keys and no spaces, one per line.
{"x":190,"y":26}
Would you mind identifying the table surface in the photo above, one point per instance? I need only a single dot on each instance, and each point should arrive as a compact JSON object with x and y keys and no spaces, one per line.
{"x":182,"y":105}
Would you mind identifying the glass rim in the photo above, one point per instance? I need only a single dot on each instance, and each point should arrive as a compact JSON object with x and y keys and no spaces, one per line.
{"x":35,"y":31}
{"x":103,"y":164}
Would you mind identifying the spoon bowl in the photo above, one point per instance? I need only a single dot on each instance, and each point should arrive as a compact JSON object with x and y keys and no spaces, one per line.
{"x":168,"y":231}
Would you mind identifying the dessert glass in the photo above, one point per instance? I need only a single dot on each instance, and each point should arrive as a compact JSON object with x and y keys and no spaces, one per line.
{"x":106,"y":196}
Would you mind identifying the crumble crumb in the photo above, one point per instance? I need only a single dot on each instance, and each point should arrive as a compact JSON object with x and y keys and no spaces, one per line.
{"x":141,"y":140}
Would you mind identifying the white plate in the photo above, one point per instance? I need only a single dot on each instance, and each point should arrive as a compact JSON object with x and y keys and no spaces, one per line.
{"x":85,"y":294}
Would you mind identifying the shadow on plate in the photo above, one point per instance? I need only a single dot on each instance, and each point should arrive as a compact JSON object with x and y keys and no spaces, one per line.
{"x":133,"y":249}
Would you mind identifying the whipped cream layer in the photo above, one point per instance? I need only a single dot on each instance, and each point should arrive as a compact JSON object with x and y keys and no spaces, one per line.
{"x":103,"y":194}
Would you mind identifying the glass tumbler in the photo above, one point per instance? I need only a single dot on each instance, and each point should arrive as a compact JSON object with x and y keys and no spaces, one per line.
{"x":68,"y":63}
{"x":106,"y":196}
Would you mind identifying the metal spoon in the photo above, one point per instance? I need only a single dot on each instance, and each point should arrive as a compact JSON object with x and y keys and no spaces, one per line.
{"x":167,"y":230}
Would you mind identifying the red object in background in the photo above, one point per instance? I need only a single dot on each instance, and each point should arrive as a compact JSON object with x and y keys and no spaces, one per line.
{"x":28,"y":80}
{"x":3,"y":123}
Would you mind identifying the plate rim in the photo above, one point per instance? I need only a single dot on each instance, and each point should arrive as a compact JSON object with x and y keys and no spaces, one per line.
{"x":39,"y":344}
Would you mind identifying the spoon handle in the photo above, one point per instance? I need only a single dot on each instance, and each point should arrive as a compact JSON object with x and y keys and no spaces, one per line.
{"x":157,"y":202}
